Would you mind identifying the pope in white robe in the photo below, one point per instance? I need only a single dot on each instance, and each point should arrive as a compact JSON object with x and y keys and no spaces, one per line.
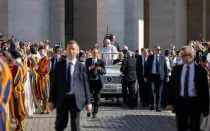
{"x":108,"y":58}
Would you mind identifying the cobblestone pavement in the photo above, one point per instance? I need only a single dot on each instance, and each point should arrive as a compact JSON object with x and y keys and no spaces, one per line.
{"x":111,"y":118}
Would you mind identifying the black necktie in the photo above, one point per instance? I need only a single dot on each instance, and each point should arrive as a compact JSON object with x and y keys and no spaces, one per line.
{"x":157,"y":64}
{"x":69,"y":77}
{"x":186,"y":95}
{"x":145,"y":62}
{"x":55,"y":62}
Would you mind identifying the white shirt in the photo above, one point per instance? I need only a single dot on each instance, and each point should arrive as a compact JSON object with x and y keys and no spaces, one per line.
{"x":107,"y":58}
{"x":94,"y":61}
{"x":154,"y":63}
{"x":72,"y":72}
{"x":18,"y":60}
{"x":168,"y":65}
{"x":191,"y":83}
{"x":177,"y":61}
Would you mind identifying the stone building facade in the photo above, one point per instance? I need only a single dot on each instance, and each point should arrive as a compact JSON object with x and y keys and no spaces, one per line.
{"x":135,"y":23}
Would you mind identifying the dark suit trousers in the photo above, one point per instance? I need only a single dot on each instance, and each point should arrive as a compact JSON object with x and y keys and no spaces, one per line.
{"x":124,"y":90}
{"x":188,"y":114}
{"x":132,"y":101}
{"x":62,"y":115}
{"x":95,"y":89}
{"x":143,"y":91}
{"x":155,"y":88}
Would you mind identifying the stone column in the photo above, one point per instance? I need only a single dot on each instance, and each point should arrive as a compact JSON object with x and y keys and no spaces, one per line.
{"x":162,"y":23}
{"x":204,"y":18}
{"x":194,"y":19}
{"x":134,"y":24}
{"x":110,"y":13}
{"x":57,"y":21}
{"x":85,"y":23}
{"x":4,"y":17}
{"x":181,"y":23}
{"x":207,"y":20}
{"x":28,"y":20}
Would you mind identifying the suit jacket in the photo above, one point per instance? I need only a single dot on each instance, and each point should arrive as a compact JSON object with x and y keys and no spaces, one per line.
{"x":117,"y":46}
{"x":91,"y":73}
{"x":139,"y":67}
{"x":201,"y":86}
{"x":162,"y":67}
{"x":59,"y":85}
{"x":52,"y":68}
{"x":128,"y":68}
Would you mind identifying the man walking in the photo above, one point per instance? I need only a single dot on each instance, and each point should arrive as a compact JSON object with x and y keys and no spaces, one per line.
{"x":69,"y":91}
{"x":188,"y":93}
{"x":156,"y":73}
{"x":96,"y":69}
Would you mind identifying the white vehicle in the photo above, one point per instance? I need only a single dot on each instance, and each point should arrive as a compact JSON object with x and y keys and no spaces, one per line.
{"x":111,"y":81}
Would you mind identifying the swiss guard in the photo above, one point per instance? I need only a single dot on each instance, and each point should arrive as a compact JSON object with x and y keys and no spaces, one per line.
{"x":33,"y":61}
{"x":43,"y":69}
{"x":5,"y":92}
{"x":17,"y":100}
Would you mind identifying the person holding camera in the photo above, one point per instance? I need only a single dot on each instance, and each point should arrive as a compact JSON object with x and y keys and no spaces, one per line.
{"x":96,"y":69}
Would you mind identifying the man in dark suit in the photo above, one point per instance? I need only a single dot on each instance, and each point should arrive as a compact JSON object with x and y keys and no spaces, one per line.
{"x":128,"y":68}
{"x":156,"y":72}
{"x":55,"y":59}
{"x":69,"y":91}
{"x":188,"y":93}
{"x":141,"y":64}
{"x":96,"y":69}
{"x":114,"y":43}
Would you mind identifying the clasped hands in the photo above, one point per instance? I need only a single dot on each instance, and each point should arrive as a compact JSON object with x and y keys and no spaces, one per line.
{"x":94,"y":67}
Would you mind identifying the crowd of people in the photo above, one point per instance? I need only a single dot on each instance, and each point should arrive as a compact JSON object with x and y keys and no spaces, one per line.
{"x":35,"y":76}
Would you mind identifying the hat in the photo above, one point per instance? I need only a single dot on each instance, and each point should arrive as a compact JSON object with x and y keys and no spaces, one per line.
{"x":46,"y":41}
{"x":41,"y":48}
{"x":1,"y":35}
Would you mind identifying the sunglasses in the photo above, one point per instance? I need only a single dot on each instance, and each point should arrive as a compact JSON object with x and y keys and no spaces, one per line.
{"x":158,"y":49}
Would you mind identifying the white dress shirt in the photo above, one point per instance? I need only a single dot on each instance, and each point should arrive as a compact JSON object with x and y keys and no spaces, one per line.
{"x":168,"y":65}
{"x":18,"y":60}
{"x":154,"y":64}
{"x":177,"y":61}
{"x":72,"y":72}
{"x":191,"y":83}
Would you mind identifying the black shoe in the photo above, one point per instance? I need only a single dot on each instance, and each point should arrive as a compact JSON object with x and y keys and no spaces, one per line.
{"x":47,"y":113}
{"x":158,"y":110}
{"x":42,"y":112}
{"x":94,"y":115}
{"x":151,"y":108}
{"x":88,"y":114}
